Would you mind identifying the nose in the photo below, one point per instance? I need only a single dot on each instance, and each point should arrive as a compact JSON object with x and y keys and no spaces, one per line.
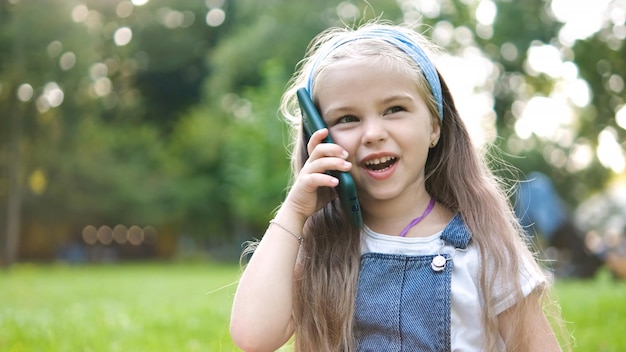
{"x":373,"y":131}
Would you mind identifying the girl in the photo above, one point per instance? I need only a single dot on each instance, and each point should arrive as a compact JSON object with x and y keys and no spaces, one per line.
{"x":440,"y":263}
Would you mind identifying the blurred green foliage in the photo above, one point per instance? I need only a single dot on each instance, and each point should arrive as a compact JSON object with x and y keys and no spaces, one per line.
{"x":178,"y":126}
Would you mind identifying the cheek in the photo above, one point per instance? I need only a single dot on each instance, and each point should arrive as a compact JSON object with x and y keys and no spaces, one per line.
{"x":348,"y":140}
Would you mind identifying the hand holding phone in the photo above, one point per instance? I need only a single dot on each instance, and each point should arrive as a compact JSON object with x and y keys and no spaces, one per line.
{"x":312,"y":121}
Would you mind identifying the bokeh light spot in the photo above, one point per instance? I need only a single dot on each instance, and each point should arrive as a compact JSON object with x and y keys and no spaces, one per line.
{"x":122,"y":36}
{"x":120,"y":234}
{"x":67,"y":61}
{"x":102,"y":87}
{"x":609,"y":151}
{"x":486,"y":12}
{"x":214,"y":4}
{"x":90,"y":234}
{"x":135,"y":235}
{"x":215,"y":17}
{"x":80,"y":13}
{"x":347,"y":10}
{"x":55,"y":48}
{"x":37,"y":182}
{"x":105,"y":235}
{"x":53,"y":94}
{"x":25,"y":92}
{"x":508,"y":51}
{"x":124,"y":9}
{"x":620,"y":117}
{"x":544,"y":59}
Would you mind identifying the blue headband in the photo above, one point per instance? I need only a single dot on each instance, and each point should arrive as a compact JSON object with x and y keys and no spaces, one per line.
{"x":399,"y":40}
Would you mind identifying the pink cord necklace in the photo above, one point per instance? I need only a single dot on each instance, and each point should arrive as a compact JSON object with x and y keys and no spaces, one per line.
{"x":417,"y":220}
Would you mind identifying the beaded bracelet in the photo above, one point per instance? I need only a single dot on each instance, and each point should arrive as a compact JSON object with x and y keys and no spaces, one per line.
{"x":298,"y":237}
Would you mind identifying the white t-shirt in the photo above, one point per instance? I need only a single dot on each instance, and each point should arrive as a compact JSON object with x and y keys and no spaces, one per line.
{"x":466,"y":303}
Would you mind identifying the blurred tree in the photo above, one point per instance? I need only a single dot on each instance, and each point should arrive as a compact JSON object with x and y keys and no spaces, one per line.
{"x":79,"y":82}
{"x":32,"y":65}
{"x":166,"y":113}
{"x":197,"y":148}
{"x":249,"y":70}
{"x":520,"y":28}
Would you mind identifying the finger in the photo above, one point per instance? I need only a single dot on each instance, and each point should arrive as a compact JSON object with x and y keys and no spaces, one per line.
{"x":313,"y":182}
{"x":316,"y":139}
{"x":323,"y":150}
{"x":325,"y":164}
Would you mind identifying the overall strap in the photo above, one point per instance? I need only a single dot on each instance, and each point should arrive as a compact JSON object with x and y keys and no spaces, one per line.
{"x":456,"y":233}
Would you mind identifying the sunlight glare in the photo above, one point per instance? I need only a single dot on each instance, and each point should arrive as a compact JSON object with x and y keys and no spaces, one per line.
{"x":543,"y":117}
{"x":610,"y":152}
{"x":467,"y":76}
{"x":486,"y":12}
{"x":620,"y":117}
{"x":581,"y":18}
{"x":580,"y":157}
{"x":577,"y":91}
{"x":545,"y":59}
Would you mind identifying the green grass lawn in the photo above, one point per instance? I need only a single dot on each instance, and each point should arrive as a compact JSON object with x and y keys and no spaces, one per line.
{"x":185,"y":307}
{"x":131,"y":307}
{"x":595,"y":312}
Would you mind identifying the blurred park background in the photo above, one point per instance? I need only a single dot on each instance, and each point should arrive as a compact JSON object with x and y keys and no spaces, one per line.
{"x":146,"y":132}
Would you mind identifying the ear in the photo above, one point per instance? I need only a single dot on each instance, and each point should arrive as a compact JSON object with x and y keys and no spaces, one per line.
{"x":435,"y":132}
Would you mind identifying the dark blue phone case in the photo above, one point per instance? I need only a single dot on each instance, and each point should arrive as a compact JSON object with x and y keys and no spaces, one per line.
{"x":346,"y":189}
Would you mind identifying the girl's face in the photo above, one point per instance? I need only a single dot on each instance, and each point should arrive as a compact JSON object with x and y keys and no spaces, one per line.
{"x":376,"y":113}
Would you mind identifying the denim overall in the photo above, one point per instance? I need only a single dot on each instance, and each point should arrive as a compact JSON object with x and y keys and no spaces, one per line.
{"x":403,"y":302}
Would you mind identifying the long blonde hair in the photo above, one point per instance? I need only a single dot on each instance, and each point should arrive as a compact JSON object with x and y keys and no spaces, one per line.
{"x":456,"y":175}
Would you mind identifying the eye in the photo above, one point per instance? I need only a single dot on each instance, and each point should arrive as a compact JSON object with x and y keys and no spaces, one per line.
{"x":394,"y":109}
{"x":347,"y":119}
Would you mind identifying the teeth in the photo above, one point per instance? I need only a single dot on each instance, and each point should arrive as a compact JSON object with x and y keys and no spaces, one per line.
{"x":377,"y":161}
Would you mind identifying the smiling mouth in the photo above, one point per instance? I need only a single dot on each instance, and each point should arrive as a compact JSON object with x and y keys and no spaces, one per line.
{"x":378,"y":164}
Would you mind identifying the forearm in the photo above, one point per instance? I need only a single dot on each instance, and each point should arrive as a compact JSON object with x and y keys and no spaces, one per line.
{"x":262,"y":308}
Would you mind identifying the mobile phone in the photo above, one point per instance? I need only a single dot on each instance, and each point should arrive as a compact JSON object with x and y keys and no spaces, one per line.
{"x":312,"y":121}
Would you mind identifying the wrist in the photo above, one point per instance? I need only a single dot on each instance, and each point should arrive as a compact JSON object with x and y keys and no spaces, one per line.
{"x":287,"y":230}
{"x":289,"y":213}
{"x":290,"y":221}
